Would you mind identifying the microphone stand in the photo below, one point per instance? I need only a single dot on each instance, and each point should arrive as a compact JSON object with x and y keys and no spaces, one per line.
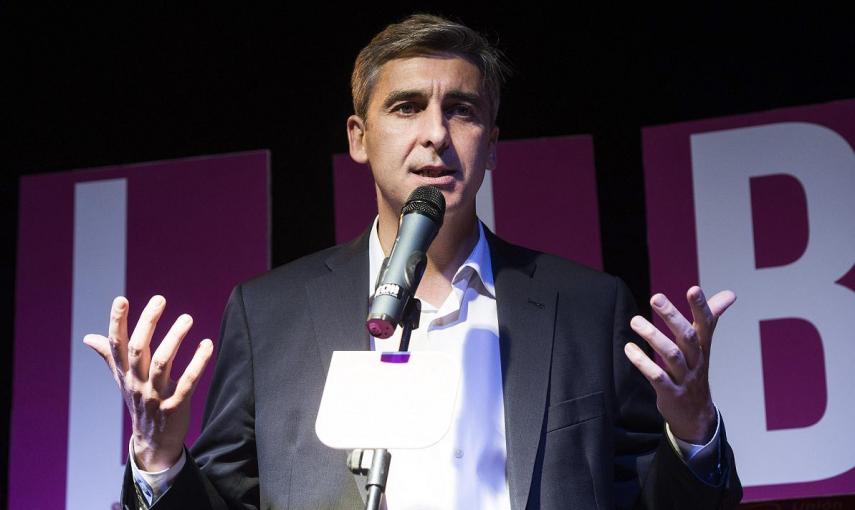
{"x":412,"y":312}
{"x":380,"y":461}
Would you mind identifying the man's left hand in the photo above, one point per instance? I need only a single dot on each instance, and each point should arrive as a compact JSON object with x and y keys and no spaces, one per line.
{"x":682,"y":385}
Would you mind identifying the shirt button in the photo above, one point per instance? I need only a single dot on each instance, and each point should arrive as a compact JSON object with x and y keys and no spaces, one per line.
{"x":458,"y":453}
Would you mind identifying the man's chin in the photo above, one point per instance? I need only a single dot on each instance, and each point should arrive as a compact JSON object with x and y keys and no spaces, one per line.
{"x":458,"y":211}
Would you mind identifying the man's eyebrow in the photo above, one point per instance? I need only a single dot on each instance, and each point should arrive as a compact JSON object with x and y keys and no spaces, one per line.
{"x":461,"y":95}
{"x":411,"y":94}
{"x":402,"y":95}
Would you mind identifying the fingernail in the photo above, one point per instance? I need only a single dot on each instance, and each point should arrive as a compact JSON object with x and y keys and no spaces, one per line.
{"x":637,"y":322}
{"x":156,"y":300}
{"x":658,"y":300}
{"x":119,"y":304}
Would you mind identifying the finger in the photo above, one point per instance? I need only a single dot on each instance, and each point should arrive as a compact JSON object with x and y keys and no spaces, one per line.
{"x":190,"y":378}
{"x":685,"y":336}
{"x":161,"y":360}
{"x":704,"y":320}
{"x":104,"y":348}
{"x":101,"y":345}
{"x":118,"y":334}
{"x":675,"y":360}
{"x":649,"y":369}
{"x":139,"y":354}
{"x":721,"y":302}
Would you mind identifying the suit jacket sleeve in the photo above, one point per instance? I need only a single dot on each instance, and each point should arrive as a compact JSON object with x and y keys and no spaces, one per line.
{"x":648,"y":472}
{"x":221,"y":471}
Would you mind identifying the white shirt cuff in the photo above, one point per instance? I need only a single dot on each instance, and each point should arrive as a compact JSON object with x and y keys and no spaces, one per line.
{"x":153,"y":484}
{"x":699,"y":457}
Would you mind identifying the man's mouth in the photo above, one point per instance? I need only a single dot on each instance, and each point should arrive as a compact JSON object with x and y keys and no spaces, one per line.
{"x":433,"y":171}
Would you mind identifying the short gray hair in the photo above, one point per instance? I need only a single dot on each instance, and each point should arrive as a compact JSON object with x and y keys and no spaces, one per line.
{"x":425,"y":34}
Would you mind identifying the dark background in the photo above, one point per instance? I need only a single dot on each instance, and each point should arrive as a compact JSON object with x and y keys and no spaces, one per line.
{"x":91,"y":86}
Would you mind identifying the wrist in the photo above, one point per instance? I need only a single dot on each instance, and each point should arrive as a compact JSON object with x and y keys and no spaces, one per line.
{"x":701,"y":431}
{"x":153,"y":458}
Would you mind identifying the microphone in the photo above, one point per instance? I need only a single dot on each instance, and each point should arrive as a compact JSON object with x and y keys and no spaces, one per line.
{"x":402,"y":270}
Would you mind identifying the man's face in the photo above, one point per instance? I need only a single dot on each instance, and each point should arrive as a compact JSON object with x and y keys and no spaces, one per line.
{"x":428,"y":123}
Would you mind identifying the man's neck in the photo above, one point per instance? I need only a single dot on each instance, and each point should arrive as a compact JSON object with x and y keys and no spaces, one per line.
{"x":453,"y":243}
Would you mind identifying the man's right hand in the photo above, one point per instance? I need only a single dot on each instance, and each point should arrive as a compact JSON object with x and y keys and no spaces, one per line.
{"x":159,"y":406}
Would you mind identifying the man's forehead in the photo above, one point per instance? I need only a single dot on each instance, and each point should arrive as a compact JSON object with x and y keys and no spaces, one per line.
{"x":424,"y":72}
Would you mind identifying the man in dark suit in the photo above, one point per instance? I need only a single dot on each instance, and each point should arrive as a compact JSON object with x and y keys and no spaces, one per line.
{"x":575,"y":424}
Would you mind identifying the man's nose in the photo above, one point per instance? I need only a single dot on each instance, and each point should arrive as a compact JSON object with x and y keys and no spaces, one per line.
{"x":434,"y":130}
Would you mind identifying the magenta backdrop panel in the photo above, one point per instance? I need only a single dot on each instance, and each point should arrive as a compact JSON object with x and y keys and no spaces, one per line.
{"x":544,"y":196}
{"x":39,"y":416}
{"x":194,"y":228}
{"x":763,"y":203}
{"x":354,"y":196}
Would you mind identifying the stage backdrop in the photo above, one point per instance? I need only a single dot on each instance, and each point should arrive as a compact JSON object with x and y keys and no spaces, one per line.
{"x":543,"y":194}
{"x":764,"y":204}
{"x":189,"y":229}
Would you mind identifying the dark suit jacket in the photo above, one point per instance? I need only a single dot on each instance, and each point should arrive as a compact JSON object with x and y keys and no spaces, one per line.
{"x":582,"y":427}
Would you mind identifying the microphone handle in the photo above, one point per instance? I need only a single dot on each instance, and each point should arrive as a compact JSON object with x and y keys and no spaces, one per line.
{"x":401,"y":276}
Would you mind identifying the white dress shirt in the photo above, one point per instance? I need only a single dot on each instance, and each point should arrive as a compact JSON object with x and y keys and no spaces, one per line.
{"x":466,"y":469}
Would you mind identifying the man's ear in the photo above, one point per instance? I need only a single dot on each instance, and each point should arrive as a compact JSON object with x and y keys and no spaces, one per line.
{"x":356,"y":139}
{"x":491,"y":148}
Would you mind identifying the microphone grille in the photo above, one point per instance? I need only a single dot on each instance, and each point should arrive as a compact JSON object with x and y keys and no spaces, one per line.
{"x":426,"y":200}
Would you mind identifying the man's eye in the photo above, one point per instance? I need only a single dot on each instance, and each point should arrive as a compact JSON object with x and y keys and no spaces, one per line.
{"x":406,"y":108}
{"x":462,"y":110}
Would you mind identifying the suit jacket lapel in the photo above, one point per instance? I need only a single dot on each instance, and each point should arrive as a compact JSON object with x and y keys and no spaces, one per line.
{"x":339,"y":301}
{"x":526,"y":311}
